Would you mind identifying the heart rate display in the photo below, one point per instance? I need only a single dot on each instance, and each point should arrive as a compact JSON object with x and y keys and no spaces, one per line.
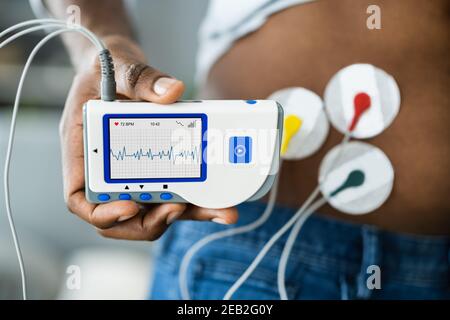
{"x":153,"y":148}
{"x":161,"y":155}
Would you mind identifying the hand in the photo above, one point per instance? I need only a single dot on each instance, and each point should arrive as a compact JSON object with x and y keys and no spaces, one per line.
{"x":135,"y":80}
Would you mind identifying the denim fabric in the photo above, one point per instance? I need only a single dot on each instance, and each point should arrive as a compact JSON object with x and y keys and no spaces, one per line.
{"x":329,"y":261}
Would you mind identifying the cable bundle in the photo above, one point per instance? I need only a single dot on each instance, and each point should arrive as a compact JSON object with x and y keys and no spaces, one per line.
{"x":108,"y":93}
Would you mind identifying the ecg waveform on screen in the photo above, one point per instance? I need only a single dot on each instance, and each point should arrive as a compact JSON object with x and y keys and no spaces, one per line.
{"x":169,"y":154}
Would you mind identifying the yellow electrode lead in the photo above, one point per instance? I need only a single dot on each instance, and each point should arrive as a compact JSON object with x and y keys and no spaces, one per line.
{"x":292,"y":124}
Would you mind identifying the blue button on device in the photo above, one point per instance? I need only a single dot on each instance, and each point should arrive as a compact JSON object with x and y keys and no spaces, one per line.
{"x":240,"y":150}
{"x":251,"y":101}
{"x":145,"y":196}
{"x":103,"y":197}
{"x":124,"y":196}
{"x":166,"y":196}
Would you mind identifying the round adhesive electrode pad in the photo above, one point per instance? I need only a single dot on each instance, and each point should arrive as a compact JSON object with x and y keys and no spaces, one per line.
{"x":306,"y":124}
{"x":341,"y":95}
{"x":360,"y":180}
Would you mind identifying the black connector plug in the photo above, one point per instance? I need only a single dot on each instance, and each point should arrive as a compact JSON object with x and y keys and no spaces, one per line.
{"x":108,"y":82}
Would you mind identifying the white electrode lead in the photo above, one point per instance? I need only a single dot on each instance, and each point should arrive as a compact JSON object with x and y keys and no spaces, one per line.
{"x":107,"y":79}
{"x":184,"y":289}
{"x":287,"y":249}
{"x":27,"y":31}
{"x":9,"y":152}
{"x":49,"y":22}
{"x":272,"y":241}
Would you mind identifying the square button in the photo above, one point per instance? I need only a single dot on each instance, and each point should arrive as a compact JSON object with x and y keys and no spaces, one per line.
{"x":240,"y":149}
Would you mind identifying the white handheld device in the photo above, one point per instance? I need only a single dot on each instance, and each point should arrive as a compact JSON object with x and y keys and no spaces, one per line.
{"x":213,"y":154}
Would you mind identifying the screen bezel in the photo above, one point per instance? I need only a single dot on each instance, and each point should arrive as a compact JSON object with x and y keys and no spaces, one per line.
{"x":106,"y":146}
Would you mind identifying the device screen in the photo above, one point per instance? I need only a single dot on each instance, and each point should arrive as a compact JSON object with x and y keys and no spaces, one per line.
{"x":154,"y":148}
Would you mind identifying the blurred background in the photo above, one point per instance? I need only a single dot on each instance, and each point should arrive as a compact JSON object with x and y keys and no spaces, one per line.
{"x":52,"y":239}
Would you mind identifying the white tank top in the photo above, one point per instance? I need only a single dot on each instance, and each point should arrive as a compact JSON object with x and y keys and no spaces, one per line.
{"x":228,"y":20}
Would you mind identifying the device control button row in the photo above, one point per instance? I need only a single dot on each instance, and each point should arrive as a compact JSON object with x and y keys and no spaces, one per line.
{"x":165,"y":196}
{"x":145,"y":196}
{"x":103,"y":197}
{"x":124,"y":196}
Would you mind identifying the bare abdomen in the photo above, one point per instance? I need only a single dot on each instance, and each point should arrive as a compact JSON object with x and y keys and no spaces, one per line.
{"x":305,"y":45}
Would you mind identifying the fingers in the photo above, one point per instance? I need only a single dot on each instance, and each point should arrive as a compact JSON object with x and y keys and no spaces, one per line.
{"x":135,"y":78}
{"x":103,"y":215}
{"x":153,"y":223}
{"x":142,"y":82}
{"x":71,"y":134}
{"x":146,"y":226}
{"x":122,"y":219}
{"x":221,"y":216}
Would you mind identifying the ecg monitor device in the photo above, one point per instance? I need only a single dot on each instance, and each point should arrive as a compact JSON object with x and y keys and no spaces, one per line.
{"x":213,"y":154}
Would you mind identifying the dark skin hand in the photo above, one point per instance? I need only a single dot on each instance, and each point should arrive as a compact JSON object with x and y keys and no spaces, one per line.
{"x":306,"y":44}
{"x":137,"y":80}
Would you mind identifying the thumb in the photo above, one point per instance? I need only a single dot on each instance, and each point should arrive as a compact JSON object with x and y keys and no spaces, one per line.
{"x":142,"y":82}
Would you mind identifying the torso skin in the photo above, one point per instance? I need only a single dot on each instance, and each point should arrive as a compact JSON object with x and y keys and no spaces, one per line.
{"x":306,"y":44}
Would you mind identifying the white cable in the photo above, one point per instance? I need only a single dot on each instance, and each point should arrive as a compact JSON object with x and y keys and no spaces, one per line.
{"x":31,"y":22}
{"x":287,"y":252}
{"x":8,"y":157}
{"x":338,"y":155}
{"x":11,"y":137}
{"x":269,"y":244}
{"x":282,"y":265}
{"x":304,"y":208}
{"x":26,"y":31}
{"x":223,"y":234}
{"x":49,"y":22}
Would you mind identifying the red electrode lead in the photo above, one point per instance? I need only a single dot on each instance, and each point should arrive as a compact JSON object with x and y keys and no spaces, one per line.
{"x":361,"y":103}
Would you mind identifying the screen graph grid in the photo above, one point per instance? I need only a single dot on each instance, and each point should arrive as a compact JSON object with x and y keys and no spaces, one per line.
{"x":155,"y":148}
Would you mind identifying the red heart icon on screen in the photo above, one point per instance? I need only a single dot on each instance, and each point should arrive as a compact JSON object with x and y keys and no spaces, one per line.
{"x":116,"y":123}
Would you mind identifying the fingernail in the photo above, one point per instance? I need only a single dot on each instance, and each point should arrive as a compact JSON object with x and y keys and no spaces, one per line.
{"x":219,"y":221}
{"x":162,"y":85}
{"x":171,"y":217}
{"x":123,"y":218}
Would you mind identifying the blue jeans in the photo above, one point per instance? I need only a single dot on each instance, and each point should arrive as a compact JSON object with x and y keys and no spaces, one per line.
{"x":330,"y":260}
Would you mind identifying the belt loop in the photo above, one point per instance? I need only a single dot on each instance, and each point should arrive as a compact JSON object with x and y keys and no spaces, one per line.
{"x":370,"y":256}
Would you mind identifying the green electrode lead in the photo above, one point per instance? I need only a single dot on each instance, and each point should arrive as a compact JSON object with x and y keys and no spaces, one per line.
{"x":354,"y":179}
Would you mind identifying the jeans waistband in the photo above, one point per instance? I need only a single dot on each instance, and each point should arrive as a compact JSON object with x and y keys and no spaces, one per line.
{"x":335,"y":246}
